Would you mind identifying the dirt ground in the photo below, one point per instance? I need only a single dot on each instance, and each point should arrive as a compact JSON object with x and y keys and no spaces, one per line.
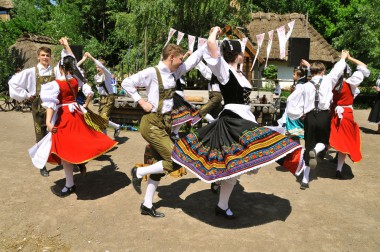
{"x":274,"y":214}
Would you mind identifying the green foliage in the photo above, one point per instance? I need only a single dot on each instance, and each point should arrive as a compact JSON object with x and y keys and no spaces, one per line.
{"x":270,"y":72}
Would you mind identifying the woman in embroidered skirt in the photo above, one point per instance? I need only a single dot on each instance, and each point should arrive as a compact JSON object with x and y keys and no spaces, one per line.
{"x":73,"y":141}
{"x":233,"y":144}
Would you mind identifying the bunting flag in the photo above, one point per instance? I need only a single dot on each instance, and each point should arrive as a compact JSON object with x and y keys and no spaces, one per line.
{"x":180,"y":37}
{"x":171,"y":33}
{"x":291,"y":25}
{"x":243,"y":44}
{"x":269,"y":46}
{"x":260,"y":39}
{"x":191,"y":40}
{"x":201,"y":42}
{"x":282,"y":41}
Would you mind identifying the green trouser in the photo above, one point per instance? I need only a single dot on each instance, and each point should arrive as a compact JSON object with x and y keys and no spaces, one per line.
{"x":106,"y":105}
{"x":213,"y":106}
{"x":39,"y":119}
{"x":155,"y":129}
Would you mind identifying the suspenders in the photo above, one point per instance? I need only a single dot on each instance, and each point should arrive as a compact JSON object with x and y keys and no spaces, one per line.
{"x":316,"y":99}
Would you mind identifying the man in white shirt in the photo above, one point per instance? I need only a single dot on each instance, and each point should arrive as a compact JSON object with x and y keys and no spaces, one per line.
{"x":27,"y":85}
{"x":155,"y":126}
{"x":314,"y":105}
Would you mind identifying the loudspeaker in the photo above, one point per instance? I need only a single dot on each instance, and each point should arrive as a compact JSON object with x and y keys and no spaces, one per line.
{"x":298,"y":49}
{"x":78,"y":51}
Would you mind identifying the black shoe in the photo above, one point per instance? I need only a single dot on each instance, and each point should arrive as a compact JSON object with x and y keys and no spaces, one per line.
{"x":219,"y":211}
{"x":150,"y":211}
{"x":44,"y":172}
{"x":338,"y":175}
{"x":82,"y":169}
{"x":116,"y":133}
{"x":215,"y":187}
{"x":136,"y":181}
{"x":61,"y":194}
{"x":313,"y":159}
{"x":304,"y":185}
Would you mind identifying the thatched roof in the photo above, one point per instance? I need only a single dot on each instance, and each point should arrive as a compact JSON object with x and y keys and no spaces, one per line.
{"x":320,"y":49}
{"x":25,"y":49}
{"x":6,"y":4}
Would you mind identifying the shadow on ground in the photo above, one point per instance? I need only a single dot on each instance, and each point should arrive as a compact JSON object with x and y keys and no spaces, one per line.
{"x":100,"y":183}
{"x":251,"y":208}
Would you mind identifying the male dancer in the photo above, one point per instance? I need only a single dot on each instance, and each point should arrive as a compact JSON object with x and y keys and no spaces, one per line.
{"x":27,"y":85}
{"x":155,"y":127}
{"x":314,"y":106}
{"x":103,"y":81}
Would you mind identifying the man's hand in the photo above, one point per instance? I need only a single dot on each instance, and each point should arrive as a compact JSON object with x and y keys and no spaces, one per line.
{"x":146,"y":106}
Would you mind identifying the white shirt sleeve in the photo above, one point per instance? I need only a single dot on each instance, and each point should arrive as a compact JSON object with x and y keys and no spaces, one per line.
{"x":204,"y":70}
{"x":189,"y":63}
{"x":140,"y":79}
{"x":22,"y":85}
{"x":49,"y":95}
{"x":337,"y":71}
{"x":295,"y":103}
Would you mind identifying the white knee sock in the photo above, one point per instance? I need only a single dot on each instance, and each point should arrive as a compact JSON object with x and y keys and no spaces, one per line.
{"x":151,"y":169}
{"x":175,"y":129}
{"x":113,"y":125}
{"x":149,"y":194}
{"x":319,"y":147}
{"x":68,"y":168}
{"x":226,"y":188}
{"x":341,"y":158}
{"x":306,"y":173}
{"x":209,"y":118}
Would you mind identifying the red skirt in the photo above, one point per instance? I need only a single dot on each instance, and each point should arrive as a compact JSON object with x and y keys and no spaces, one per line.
{"x":345,"y":135}
{"x":75,"y":142}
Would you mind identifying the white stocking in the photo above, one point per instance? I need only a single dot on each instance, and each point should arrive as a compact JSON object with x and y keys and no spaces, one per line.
{"x":149,"y":194}
{"x":175,"y":129}
{"x":341,"y":158}
{"x":306,"y":173}
{"x":226,"y":187}
{"x":68,"y":168}
{"x":113,"y":125}
{"x":151,"y":169}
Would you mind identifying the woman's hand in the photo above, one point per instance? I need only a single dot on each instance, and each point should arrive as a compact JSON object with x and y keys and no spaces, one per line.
{"x":51,"y":128}
{"x":146,"y":106}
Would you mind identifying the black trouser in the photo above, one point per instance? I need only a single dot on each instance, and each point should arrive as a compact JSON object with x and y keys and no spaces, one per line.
{"x":317,"y":130}
{"x":39,"y":119}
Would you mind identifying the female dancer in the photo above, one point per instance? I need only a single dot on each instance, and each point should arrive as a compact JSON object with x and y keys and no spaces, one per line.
{"x":233,"y":144}
{"x":73,"y":142}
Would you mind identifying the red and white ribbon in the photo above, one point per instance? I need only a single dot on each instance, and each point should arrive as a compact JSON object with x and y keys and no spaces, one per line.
{"x":260,"y":39}
{"x":269,"y":46}
{"x":180,"y":37}
{"x":171,"y":33}
{"x":191,"y":40}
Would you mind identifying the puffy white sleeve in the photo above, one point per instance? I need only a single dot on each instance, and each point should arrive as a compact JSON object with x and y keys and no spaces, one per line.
{"x":49,"y":95}
{"x":87,"y":90}
{"x":22,"y":85}
{"x":218,"y":66}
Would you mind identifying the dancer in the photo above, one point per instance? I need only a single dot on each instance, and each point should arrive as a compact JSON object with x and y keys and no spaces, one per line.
{"x":295,"y":128}
{"x":345,"y":133}
{"x":313,"y":103}
{"x":26,"y":85}
{"x":155,"y":127}
{"x":374,"y":115}
{"x":103,"y":81}
{"x":72,"y":141}
{"x":233,"y":144}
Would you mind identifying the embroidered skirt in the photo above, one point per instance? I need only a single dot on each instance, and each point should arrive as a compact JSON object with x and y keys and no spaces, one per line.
{"x":183,"y":111}
{"x":295,"y":127}
{"x":231,"y":146}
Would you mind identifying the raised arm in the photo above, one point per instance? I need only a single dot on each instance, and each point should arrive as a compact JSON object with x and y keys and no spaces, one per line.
{"x":212,"y":44}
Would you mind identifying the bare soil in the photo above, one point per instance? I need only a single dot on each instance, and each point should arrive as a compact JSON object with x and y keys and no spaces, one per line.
{"x":274,"y":214}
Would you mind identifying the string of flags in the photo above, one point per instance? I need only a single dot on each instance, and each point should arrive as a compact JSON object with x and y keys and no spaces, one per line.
{"x":283,"y":37}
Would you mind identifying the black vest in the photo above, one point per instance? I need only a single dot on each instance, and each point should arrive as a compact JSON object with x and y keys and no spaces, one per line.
{"x":232,"y":92}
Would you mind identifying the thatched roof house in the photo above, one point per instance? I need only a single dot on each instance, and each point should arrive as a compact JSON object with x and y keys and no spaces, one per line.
{"x":5,"y":7}
{"x":24,"y":51}
{"x":320,"y":49}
